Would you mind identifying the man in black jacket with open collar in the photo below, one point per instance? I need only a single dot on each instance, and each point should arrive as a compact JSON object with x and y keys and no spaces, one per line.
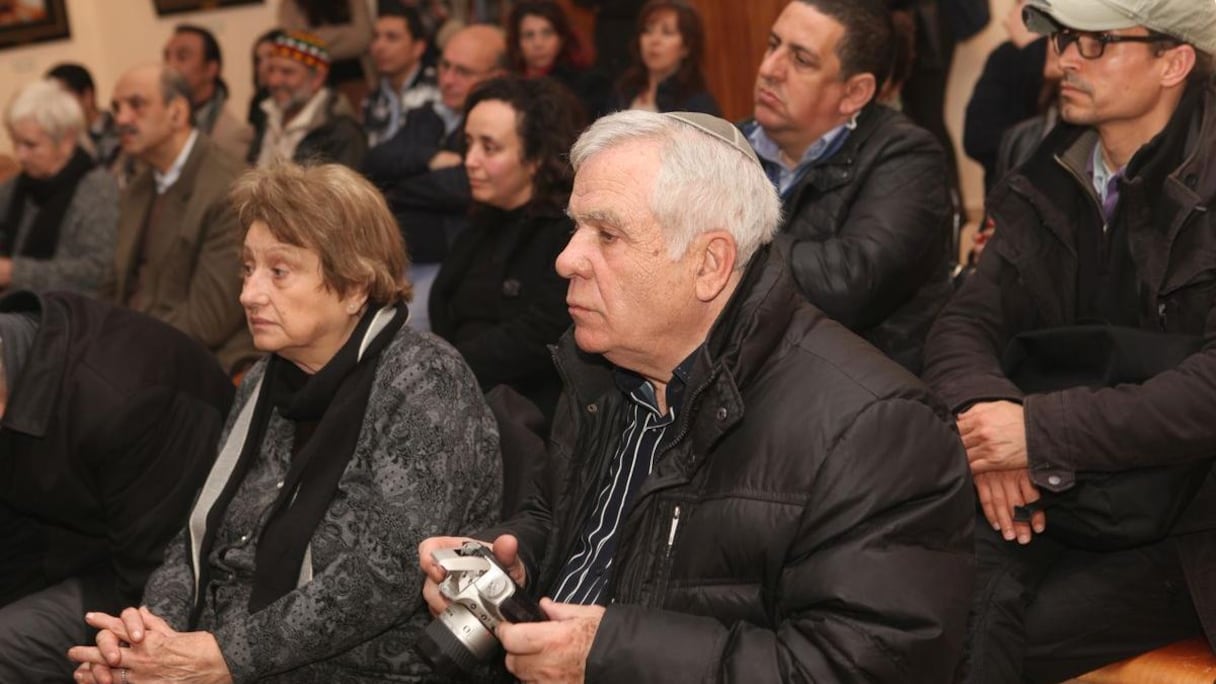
{"x":864,"y":191}
{"x":1107,"y":222}
{"x":110,"y":422}
{"x":740,"y":489}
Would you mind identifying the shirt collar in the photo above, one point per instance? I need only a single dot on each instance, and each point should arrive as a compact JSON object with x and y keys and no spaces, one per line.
{"x":784,"y":177}
{"x":165,"y":180}
{"x":640,"y":391}
{"x":1101,"y":175}
{"x":451,"y":118}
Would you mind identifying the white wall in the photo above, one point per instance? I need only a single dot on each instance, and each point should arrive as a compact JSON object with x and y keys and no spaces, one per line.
{"x":110,"y":36}
{"x":969,"y":60}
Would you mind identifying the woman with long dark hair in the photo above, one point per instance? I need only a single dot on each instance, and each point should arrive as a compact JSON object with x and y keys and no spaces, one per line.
{"x":540,"y":42}
{"x":666,"y":73}
{"x":498,"y":298}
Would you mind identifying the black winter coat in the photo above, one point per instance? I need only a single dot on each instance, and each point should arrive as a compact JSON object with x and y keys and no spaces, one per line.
{"x":868,"y":231}
{"x":1027,"y":280}
{"x":499,"y":300}
{"x":431,"y":206}
{"x":106,"y":438}
{"x":812,"y":520}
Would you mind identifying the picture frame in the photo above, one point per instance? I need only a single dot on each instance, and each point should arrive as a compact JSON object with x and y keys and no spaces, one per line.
{"x":165,"y":7}
{"x":23,"y":22}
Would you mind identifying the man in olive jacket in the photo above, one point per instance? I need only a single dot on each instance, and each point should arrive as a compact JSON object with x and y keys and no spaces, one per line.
{"x":179,"y":243}
{"x":1108,"y":221}
{"x":741,"y":489}
{"x":864,"y":191}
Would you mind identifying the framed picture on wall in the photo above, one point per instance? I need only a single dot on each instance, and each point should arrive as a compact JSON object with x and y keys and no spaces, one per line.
{"x":29,"y":21}
{"x":164,"y":7}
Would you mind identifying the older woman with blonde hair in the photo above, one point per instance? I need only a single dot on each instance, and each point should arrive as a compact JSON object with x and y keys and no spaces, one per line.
{"x":59,"y":216}
{"x":351,"y":442}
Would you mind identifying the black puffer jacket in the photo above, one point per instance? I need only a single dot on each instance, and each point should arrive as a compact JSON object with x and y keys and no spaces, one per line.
{"x":868,"y":231}
{"x":811,"y":522}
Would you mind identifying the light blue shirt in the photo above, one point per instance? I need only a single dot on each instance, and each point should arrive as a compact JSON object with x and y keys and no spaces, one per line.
{"x":782,"y":176}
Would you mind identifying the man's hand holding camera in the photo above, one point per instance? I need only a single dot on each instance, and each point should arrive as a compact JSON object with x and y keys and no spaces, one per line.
{"x":554,"y":651}
{"x":551,"y":651}
{"x":506,"y":551}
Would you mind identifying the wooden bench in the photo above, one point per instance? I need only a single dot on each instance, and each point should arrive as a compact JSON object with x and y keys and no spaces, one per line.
{"x":1186,"y":662}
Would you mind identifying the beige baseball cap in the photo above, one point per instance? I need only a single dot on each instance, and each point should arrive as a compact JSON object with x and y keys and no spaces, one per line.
{"x":1191,"y":21}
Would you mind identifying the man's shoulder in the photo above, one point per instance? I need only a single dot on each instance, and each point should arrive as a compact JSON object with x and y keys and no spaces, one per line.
{"x":881,"y":126}
{"x":835,"y":366}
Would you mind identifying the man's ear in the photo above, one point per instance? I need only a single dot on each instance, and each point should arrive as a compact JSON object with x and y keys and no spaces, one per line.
{"x":179,"y":112}
{"x":716,"y":254}
{"x":1178,"y":62}
{"x":213,"y":70}
{"x":859,"y":89}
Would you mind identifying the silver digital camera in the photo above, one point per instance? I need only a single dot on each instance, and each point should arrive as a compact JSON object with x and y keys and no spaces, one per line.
{"x":482,"y":595}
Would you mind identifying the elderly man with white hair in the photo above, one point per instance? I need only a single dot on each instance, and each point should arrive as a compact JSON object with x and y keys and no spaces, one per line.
{"x":59,"y":216}
{"x":740,"y":488}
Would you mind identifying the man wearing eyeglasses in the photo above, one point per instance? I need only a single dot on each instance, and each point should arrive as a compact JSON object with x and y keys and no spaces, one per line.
{"x":420,"y":168}
{"x":1107,"y":223}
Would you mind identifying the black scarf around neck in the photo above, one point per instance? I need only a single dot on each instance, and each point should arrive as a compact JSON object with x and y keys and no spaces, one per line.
{"x":51,"y":196}
{"x":331,"y":404}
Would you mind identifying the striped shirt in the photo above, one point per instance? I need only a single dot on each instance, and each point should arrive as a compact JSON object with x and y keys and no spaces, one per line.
{"x":587,"y":572}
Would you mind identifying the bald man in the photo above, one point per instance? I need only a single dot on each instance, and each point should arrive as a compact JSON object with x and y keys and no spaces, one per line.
{"x":419,"y":169}
{"x":179,"y":242}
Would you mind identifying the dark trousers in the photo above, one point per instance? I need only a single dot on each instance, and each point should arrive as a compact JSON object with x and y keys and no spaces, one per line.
{"x":36,"y":632}
{"x":1045,"y":612}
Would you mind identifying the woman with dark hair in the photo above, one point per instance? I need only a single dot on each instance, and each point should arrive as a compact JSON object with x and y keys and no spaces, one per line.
{"x":540,"y":42}
{"x":666,"y":72}
{"x":498,"y":298}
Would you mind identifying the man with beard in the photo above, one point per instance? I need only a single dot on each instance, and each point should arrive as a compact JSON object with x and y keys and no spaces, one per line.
{"x":179,"y":242}
{"x":305,"y":120}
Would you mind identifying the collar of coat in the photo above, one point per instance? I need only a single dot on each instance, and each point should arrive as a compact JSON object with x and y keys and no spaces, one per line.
{"x":741,"y":341}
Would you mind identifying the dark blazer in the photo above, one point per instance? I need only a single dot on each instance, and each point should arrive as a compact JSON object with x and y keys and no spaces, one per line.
{"x":430,"y":205}
{"x":108,"y":432}
{"x":499,"y":300}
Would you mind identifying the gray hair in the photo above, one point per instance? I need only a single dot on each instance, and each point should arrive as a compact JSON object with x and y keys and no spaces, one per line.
{"x":49,"y":105}
{"x":703,"y":183}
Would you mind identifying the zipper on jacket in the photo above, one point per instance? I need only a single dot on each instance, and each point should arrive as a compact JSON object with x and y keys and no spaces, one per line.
{"x":671,"y":534}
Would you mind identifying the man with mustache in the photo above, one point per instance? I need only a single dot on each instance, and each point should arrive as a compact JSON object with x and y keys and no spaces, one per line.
{"x":306,"y":121}
{"x":864,"y":191}
{"x":179,"y":243}
{"x":1105,"y":230}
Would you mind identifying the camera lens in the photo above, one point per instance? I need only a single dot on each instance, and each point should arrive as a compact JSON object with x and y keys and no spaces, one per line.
{"x":456,"y":642}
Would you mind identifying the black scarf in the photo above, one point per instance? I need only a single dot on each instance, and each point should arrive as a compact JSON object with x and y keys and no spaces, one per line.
{"x":52,"y":196}
{"x":328,"y":410}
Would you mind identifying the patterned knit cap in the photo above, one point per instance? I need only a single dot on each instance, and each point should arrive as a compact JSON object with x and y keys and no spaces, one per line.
{"x":304,"y":47}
